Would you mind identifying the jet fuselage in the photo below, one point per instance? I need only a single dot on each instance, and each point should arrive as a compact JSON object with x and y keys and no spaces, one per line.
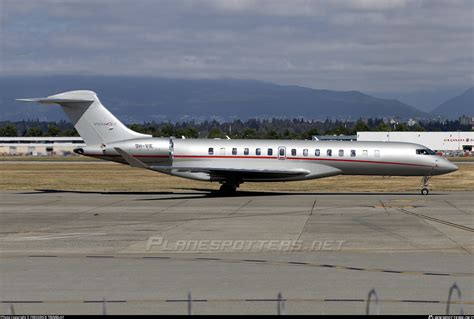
{"x":320,"y":158}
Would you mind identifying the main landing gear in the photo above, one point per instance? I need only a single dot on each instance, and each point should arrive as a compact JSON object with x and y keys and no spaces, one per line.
{"x":425,"y":185}
{"x":229,"y":187}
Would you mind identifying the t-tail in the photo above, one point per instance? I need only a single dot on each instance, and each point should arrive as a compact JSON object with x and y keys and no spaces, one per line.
{"x":94,"y":123}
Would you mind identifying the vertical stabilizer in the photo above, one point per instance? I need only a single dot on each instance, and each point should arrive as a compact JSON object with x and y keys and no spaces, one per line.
{"x":94,"y":123}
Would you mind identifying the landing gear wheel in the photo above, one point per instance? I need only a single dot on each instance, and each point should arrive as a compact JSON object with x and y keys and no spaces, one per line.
{"x":425,"y":185}
{"x":227,"y":189}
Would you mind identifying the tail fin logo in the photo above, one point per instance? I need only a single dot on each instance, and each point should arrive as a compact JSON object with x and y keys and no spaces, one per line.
{"x":110,"y":125}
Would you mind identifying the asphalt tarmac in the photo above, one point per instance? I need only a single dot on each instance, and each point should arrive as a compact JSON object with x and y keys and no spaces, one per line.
{"x":65,"y":252}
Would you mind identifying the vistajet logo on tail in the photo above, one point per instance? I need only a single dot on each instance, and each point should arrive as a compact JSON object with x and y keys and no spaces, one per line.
{"x":110,"y":125}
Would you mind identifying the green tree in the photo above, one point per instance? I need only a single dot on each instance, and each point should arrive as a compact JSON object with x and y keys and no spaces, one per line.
{"x":8,"y":130}
{"x":249,"y":133}
{"x":360,"y":126}
{"x":401,"y":127}
{"x":341,"y":130}
{"x":189,"y":132}
{"x":308,"y":135}
{"x":34,"y":131}
{"x":289,"y":135}
{"x":418,"y":128}
{"x":382,"y":127}
{"x":53,"y":130}
{"x":272,"y":135}
{"x":138,"y":128}
{"x":215,"y":133}
{"x":168,"y":130}
{"x":151,"y":129}
{"x":69,"y":132}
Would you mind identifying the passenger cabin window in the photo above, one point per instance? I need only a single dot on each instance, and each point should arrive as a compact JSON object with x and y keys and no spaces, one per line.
{"x":305,"y":152}
{"x":377,"y":153}
{"x":270,"y":152}
{"x":282,"y":152}
{"x":211,"y":151}
{"x":329,"y":152}
{"x":317,"y":152}
{"x":246,"y":151}
{"x":365,"y":153}
{"x":425,"y":151}
{"x":293,"y":152}
{"x":341,"y":153}
{"x":258,"y":151}
{"x":234,"y":151}
{"x":353,"y":153}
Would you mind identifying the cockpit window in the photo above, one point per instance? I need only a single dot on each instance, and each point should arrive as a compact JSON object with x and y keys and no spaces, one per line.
{"x":425,"y":151}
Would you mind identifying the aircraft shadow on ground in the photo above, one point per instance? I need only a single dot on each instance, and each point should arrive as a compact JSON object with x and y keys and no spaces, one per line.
{"x":197,"y":193}
{"x":52,"y":191}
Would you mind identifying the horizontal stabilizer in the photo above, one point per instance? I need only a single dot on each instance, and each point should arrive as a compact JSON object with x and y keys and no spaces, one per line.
{"x":52,"y":100}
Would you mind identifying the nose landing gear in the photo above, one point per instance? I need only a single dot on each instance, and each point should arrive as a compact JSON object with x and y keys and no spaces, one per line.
{"x":425,"y":185}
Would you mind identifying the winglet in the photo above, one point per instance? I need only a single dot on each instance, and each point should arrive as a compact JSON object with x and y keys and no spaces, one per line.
{"x":132,"y":161}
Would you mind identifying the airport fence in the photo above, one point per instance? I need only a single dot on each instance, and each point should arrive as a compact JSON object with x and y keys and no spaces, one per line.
{"x":372,"y":303}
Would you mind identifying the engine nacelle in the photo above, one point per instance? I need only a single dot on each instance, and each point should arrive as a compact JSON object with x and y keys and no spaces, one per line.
{"x":89,"y":151}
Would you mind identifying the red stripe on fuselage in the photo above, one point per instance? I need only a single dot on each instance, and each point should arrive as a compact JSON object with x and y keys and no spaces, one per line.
{"x":110,"y":155}
{"x":224,"y":156}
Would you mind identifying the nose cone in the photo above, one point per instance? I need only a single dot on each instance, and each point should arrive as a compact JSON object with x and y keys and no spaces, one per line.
{"x":445,"y":167}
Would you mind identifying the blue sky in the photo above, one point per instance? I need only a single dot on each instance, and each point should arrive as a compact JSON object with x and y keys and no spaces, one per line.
{"x":398,"y":48}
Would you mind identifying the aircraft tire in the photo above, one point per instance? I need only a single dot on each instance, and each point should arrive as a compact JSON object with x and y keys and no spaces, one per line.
{"x":227,"y":189}
{"x":425,"y":191}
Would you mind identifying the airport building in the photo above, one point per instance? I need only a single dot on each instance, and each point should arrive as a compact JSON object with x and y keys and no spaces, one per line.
{"x":39,"y":146}
{"x":449,"y":142}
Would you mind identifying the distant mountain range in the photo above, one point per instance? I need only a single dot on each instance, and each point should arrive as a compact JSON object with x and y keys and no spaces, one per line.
{"x":136,"y":99}
{"x":457,"y":106}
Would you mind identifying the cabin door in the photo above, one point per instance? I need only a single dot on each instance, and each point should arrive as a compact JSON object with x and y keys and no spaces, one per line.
{"x":282,"y":152}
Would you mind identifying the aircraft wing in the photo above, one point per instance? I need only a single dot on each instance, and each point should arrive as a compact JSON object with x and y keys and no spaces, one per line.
{"x":244,"y":172}
{"x":217,"y":171}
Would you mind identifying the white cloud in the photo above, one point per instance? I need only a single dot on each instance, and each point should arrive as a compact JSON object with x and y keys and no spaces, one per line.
{"x":374,"y":4}
{"x":342,"y":44}
{"x":268,"y":7}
